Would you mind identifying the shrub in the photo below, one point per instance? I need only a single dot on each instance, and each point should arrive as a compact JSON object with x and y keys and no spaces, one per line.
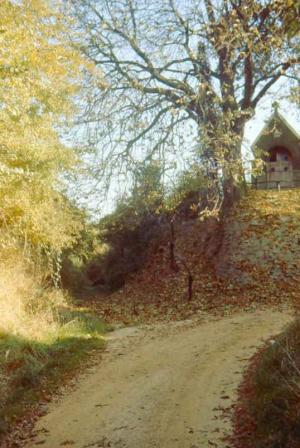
{"x":270,"y":395}
{"x":127,"y":240}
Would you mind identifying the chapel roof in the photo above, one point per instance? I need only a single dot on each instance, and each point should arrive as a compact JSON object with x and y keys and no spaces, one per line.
{"x":277,"y":130}
{"x":278,"y":123}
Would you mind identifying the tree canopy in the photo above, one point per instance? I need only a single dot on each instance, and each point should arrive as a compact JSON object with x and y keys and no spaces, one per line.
{"x":40,"y":74}
{"x":182,"y":76}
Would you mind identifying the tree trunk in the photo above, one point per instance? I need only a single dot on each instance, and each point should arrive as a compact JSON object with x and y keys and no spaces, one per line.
{"x":234,"y":183}
{"x":232,"y":193}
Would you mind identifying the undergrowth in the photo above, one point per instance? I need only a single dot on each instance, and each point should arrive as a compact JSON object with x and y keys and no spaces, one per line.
{"x":267,"y":413}
{"x":43,"y":340}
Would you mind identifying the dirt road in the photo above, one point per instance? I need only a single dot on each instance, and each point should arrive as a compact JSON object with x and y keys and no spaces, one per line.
{"x":159,"y":387}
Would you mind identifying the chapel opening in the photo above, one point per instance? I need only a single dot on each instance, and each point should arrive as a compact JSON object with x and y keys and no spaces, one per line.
{"x":280,"y":154}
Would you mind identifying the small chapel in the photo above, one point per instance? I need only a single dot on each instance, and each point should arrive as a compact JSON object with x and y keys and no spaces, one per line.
{"x":278,"y":144}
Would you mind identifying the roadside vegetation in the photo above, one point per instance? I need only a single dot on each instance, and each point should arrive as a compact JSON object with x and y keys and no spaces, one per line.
{"x":267,"y":412}
{"x":43,"y":336}
{"x":43,"y":340}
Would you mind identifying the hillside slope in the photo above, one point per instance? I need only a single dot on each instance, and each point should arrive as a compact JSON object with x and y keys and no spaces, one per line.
{"x":253,"y":258}
{"x":261,"y":241}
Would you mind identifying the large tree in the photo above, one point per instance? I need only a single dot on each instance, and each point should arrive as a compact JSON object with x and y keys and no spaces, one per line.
{"x":40,"y":76}
{"x":170,"y":62}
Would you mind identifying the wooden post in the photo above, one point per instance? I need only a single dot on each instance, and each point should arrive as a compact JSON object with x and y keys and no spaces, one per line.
{"x":190,"y":277}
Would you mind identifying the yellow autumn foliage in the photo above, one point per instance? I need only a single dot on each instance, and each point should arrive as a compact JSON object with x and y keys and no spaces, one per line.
{"x":40,"y":75}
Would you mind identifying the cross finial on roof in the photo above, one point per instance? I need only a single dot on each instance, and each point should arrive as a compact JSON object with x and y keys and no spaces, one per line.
{"x":275,"y":106}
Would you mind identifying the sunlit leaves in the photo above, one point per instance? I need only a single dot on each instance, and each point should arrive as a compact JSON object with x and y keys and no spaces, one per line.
{"x":40,"y":74}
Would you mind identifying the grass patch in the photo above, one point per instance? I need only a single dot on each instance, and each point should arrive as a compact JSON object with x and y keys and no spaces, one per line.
{"x":267,"y":412}
{"x":32,"y":368}
{"x":44,"y":337}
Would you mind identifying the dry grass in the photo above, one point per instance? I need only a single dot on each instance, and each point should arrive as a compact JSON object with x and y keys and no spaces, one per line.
{"x":42,"y":337}
{"x":23,"y":299}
